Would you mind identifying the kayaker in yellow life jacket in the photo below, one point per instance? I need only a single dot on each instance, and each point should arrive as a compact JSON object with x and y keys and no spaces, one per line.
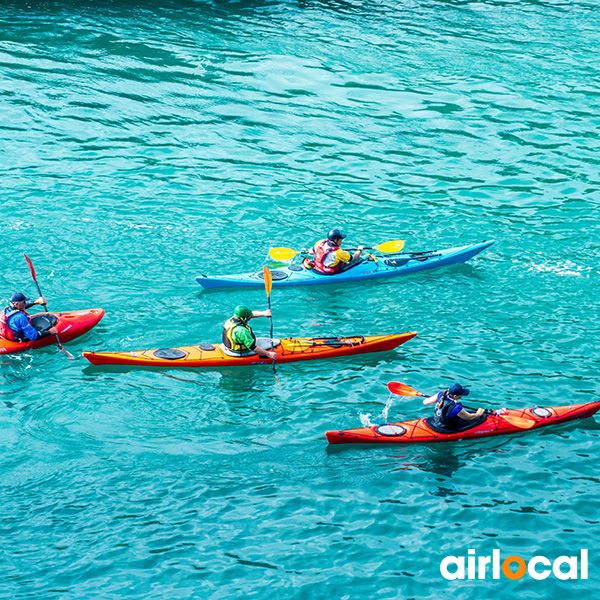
{"x":329,"y":256}
{"x":238,"y":336}
{"x":449,"y":412}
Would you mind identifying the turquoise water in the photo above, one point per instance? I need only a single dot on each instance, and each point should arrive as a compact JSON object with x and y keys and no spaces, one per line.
{"x":144,"y":143}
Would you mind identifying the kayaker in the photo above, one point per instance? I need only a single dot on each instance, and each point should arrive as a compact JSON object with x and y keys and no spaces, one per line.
{"x":238,"y":336}
{"x":329,"y":256}
{"x":449,"y":412}
{"x":15,"y":323}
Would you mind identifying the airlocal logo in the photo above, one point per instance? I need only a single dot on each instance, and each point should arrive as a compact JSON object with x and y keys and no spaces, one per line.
{"x":513,"y":567}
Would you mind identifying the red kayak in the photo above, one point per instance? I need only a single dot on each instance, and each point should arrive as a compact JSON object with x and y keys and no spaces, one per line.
{"x":419,"y":431}
{"x":70,"y":325}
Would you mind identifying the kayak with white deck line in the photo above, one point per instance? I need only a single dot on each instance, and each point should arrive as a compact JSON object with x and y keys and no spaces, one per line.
{"x":373,"y":267}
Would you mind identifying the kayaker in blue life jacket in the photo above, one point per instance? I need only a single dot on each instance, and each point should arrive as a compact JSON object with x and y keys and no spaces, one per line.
{"x":449,"y":412}
{"x":238,"y":337}
{"x":15,"y":323}
{"x":329,"y":256}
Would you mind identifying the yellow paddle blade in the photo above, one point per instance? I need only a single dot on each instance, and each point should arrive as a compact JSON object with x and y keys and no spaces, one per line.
{"x":282,"y":253}
{"x":268,"y":280}
{"x":391,"y":246}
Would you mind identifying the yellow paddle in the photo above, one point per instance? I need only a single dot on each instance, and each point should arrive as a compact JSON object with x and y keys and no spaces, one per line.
{"x":401,"y":389}
{"x":283,"y":254}
{"x":268,"y":277}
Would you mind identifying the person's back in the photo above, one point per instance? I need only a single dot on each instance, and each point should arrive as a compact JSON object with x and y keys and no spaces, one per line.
{"x":238,"y":336}
{"x":450,"y":415}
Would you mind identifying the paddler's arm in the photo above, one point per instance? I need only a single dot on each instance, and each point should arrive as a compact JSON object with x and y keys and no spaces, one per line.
{"x":358,"y":252}
{"x":469,"y":416}
{"x":260,"y":313}
{"x":266,"y":353}
{"x":41,"y":301}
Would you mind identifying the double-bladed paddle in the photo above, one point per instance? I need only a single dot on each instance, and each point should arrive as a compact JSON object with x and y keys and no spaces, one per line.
{"x":283,"y":254}
{"x":30,"y":264}
{"x":401,"y":389}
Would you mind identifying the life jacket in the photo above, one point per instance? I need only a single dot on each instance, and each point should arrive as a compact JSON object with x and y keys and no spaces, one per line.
{"x":322,"y":249}
{"x":443,"y":409}
{"x":5,"y":331}
{"x":228,"y":340}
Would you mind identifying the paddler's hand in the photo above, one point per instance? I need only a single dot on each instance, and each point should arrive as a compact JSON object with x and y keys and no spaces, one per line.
{"x":41,"y":301}
{"x":52,"y":330}
{"x":479,"y":412}
{"x":271,"y":355}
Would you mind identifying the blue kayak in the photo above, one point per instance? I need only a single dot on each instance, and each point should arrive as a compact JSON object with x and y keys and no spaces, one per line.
{"x":374,"y":267}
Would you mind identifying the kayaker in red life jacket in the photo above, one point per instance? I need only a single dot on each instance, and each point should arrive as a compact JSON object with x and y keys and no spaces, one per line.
{"x":238,"y":337}
{"x":329,"y":256}
{"x":15,"y":323}
{"x":449,"y":412}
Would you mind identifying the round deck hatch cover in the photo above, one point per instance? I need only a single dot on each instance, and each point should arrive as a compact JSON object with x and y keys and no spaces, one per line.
{"x":169,"y":353}
{"x":390,"y":430}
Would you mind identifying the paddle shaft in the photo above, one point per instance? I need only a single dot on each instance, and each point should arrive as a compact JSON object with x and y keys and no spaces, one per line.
{"x":44,"y":305}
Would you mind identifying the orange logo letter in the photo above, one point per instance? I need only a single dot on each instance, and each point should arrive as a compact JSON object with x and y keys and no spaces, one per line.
{"x":506,"y":570}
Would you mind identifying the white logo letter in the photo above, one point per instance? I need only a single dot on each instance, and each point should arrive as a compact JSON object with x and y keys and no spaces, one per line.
{"x":460,"y":567}
{"x":496,"y":564}
{"x":531,"y":567}
{"x":569,"y":560}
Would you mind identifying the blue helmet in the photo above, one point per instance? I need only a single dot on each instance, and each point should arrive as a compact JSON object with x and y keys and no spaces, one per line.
{"x":334,"y":234}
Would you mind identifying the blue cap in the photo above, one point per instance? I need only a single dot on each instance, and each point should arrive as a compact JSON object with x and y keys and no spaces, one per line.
{"x":18,"y":297}
{"x":458,"y":390}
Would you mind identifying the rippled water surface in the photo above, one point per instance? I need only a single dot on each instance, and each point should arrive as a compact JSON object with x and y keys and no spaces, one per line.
{"x":144,"y":143}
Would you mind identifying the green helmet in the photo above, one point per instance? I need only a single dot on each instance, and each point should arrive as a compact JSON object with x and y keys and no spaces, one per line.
{"x":242,"y":312}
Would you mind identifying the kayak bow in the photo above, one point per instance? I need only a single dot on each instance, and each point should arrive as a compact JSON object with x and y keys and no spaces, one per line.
{"x":418,"y":431}
{"x":286,"y":349}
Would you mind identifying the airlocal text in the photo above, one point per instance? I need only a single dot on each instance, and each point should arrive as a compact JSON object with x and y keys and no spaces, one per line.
{"x":514,"y":567}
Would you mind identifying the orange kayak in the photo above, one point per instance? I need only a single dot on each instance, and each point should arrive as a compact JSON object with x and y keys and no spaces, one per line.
{"x":70,"y":325}
{"x":419,"y":431}
{"x":287,"y":350}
